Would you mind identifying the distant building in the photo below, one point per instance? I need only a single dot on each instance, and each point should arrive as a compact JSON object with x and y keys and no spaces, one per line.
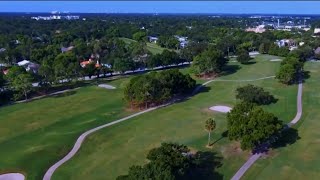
{"x":29,"y":66}
{"x":83,"y":64}
{"x":66,"y":49}
{"x":5,"y":72}
{"x":317,"y":51}
{"x":291,"y":48}
{"x":183,"y":41}
{"x":316,"y":31}
{"x":258,"y":29}
{"x":153,"y":39}
{"x":285,"y":42}
{"x":55,"y":17}
{"x":306,"y":29}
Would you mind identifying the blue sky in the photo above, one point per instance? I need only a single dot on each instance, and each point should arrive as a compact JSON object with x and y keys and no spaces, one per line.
{"x":283,"y":7}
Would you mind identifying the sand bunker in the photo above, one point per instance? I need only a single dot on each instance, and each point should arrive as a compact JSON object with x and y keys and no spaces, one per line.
{"x":106,"y":86}
{"x":276,"y":60}
{"x":223,"y":109}
{"x":12,"y":176}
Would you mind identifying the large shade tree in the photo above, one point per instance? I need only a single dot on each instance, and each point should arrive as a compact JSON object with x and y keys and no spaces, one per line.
{"x":251,"y":125}
{"x":254,"y":94}
{"x":208,"y":62}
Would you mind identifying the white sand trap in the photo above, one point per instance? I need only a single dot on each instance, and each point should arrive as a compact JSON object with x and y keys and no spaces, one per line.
{"x":276,"y":60}
{"x":107,"y":86}
{"x":12,"y":176}
{"x":223,"y":109}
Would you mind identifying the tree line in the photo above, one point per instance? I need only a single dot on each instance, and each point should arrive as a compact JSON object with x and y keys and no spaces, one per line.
{"x":155,"y":88}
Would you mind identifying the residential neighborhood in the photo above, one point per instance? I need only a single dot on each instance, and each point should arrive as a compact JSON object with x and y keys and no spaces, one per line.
{"x":159,"y":90}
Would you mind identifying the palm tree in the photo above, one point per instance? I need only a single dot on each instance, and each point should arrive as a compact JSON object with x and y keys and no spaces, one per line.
{"x":210,"y":126}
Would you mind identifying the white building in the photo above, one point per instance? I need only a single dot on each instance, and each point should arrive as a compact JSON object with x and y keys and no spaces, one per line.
{"x":316,"y":30}
{"x":182,"y":40}
{"x":29,"y":66}
{"x":153,"y":39}
{"x":258,"y":29}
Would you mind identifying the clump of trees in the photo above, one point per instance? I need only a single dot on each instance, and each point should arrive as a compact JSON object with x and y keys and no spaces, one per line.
{"x":173,"y":161}
{"x":140,"y":36}
{"x":168,"y":42}
{"x":289,"y":70}
{"x":209,"y":63}
{"x":278,"y":51}
{"x":166,"y":58}
{"x":170,"y":161}
{"x":254,"y":94}
{"x":157,"y":87}
{"x":251,"y":125}
{"x":20,"y":82}
{"x":243,"y":56}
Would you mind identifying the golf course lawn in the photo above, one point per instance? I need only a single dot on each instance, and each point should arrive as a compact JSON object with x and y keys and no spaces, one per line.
{"x":299,"y":160}
{"x":152,"y":47}
{"x":35,"y":135}
{"x":109,"y":152}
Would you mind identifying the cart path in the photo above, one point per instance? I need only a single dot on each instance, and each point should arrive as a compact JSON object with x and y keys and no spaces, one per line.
{"x":82,"y":137}
{"x":256,"y":156}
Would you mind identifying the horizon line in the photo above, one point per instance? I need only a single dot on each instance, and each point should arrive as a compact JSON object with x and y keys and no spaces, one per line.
{"x":216,"y":13}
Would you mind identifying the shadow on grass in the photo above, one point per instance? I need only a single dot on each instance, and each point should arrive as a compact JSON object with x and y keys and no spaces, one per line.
{"x":230,"y":69}
{"x":286,"y":138}
{"x":65,"y":94}
{"x":223,"y":135}
{"x":305,"y":75}
{"x":249,"y":63}
{"x":205,"y":167}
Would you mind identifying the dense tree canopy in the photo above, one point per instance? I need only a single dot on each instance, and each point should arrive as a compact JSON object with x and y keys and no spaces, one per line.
{"x":289,"y":70}
{"x":254,"y":94}
{"x":172,"y":161}
{"x":140,"y":36}
{"x":251,"y":125}
{"x":208,"y":62}
{"x":157,"y":87}
{"x":243,"y":56}
{"x":59,"y":46}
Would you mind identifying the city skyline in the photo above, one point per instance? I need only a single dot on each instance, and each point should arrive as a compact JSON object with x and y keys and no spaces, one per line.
{"x":223,"y":7}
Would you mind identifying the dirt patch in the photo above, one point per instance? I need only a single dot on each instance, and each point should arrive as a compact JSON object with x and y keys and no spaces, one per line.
{"x":12,"y":176}
{"x":232,"y":149}
{"x":222,"y":109}
{"x":270,"y":154}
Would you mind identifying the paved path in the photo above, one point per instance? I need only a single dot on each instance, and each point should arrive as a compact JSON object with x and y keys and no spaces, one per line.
{"x":82,"y":137}
{"x":256,"y":156}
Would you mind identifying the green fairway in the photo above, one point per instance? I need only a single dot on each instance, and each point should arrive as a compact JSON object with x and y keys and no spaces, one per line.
{"x":299,"y":160}
{"x":111,"y":151}
{"x":35,"y":135}
{"x":152,"y":47}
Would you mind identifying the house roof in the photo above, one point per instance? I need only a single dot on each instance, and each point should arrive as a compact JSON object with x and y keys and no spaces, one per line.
{"x":65,"y":49}
{"x":23,"y":63}
{"x":5,"y":71}
{"x":84,"y":63}
{"x":317,"y":51}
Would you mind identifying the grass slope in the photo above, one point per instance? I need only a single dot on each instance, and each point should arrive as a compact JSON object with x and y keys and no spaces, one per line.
{"x":111,"y":151}
{"x":299,"y":160}
{"x":35,"y":135}
{"x":153,"y":48}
